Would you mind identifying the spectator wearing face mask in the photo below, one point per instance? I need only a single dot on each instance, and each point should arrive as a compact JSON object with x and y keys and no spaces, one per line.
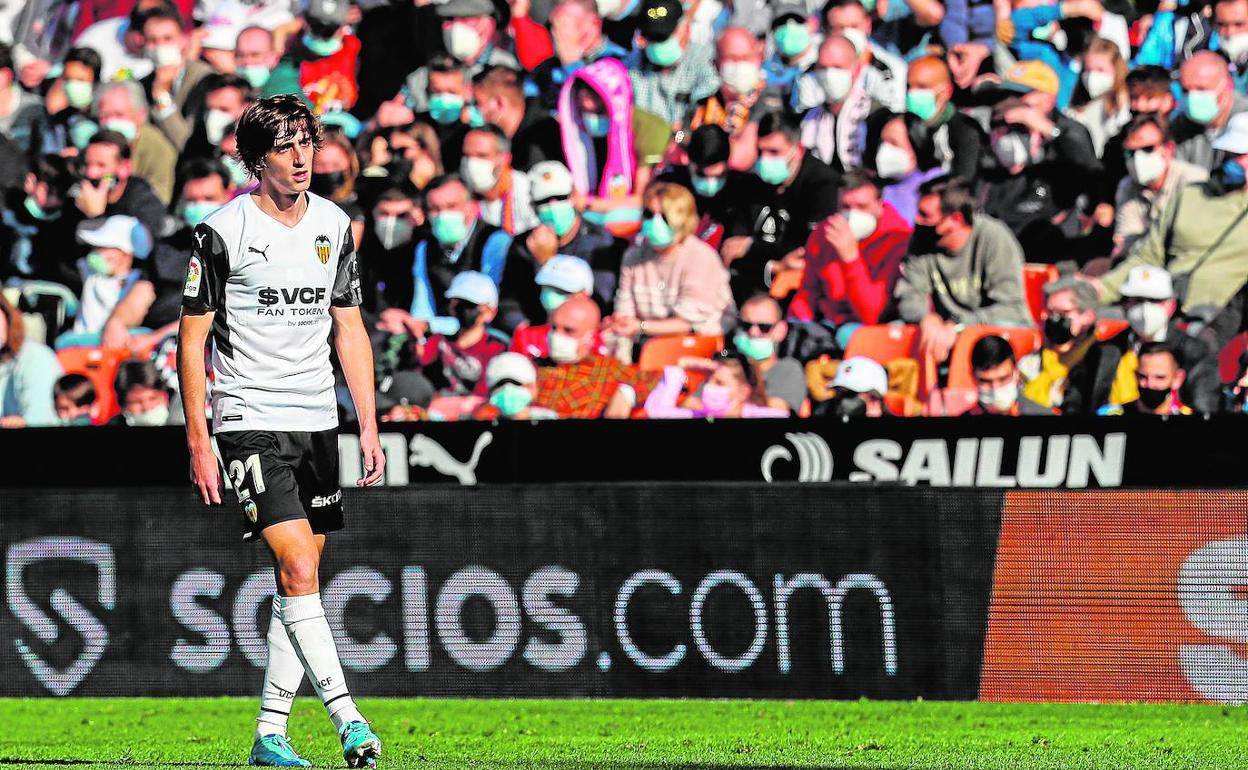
{"x":469,"y":32}
{"x":76,"y":401}
{"x":119,"y":42}
{"x":503,"y":192}
{"x":1230,"y":18}
{"x":835,"y":131}
{"x":1042,"y":164}
{"x":107,"y":187}
{"x":584,"y":383}
{"x":68,"y":103}
{"x":146,"y":401}
{"x":511,"y":382}
{"x":1154,"y":177}
{"x":173,"y":87}
{"x":768,"y":233}
{"x":225,"y":98}
{"x":122,"y":107}
{"x":669,"y":73}
{"x":255,"y":60}
{"x":963,"y":268}
{"x":559,"y":278}
{"x":897,"y":167}
{"x":796,"y":47}
{"x":1158,"y":378}
{"x":324,"y":58}
{"x":997,"y":380}
{"x":1199,"y":237}
{"x":535,"y":135}
{"x":1148,"y":91}
{"x":450,"y":109}
{"x":1055,"y":33}
{"x":148,"y":312}
{"x":455,"y":363}
{"x":37,"y":242}
{"x":563,"y":231}
{"x":1099,"y":102}
{"x":576,"y":30}
{"x":858,"y":390}
{"x":732,"y":390}
{"x":1063,"y":373}
{"x":853,"y":260}
{"x":1149,"y":304}
{"x":671,"y":282}
{"x":883,"y":73}
{"x":335,"y":171}
{"x":717,"y":187}
{"x":110,"y":270}
{"x":743,"y":96}
{"x":1209,"y":102}
{"x":759,"y":335}
{"x":388,"y":242}
{"x":940,"y":136}
{"x":28,"y":370}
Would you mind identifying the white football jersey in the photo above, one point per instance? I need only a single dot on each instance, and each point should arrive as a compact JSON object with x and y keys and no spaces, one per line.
{"x":271,"y":287}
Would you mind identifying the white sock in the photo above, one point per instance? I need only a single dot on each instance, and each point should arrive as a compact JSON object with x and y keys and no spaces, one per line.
{"x":282,"y":678}
{"x":304,"y":618}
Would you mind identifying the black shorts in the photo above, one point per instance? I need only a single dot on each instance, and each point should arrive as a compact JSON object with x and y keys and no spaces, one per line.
{"x":283,"y":475}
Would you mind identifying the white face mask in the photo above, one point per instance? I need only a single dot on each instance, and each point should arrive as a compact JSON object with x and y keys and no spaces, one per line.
{"x":564,"y":349}
{"x":1000,"y":399}
{"x":743,"y":77}
{"x":861,"y":224}
{"x":608,"y":7}
{"x":835,"y":82}
{"x":462,"y":41}
{"x":1146,"y":167}
{"x":1235,"y":47}
{"x":479,"y":174}
{"x":216,"y":123}
{"x":1012,"y":150}
{"x":165,"y":55}
{"x":1098,"y":83}
{"x":151,"y":418}
{"x":892,"y":162}
{"x":1148,"y":320}
{"x":856,"y":37}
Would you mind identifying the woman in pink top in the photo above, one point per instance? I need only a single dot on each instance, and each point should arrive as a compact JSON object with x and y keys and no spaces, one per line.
{"x":730,"y":391}
{"x":671,"y":282}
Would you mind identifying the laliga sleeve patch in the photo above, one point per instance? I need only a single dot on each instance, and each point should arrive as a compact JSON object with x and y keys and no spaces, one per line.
{"x":194,"y":272}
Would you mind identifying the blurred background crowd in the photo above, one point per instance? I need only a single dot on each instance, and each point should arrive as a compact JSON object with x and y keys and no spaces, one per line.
{"x":655,"y":208}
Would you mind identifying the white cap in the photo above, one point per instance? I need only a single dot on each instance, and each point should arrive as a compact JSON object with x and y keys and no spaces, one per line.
{"x":1234,"y":138}
{"x":1146,"y":282}
{"x":222,"y":33}
{"x":861,"y":375}
{"x":117,"y":232}
{"x":509,"y":366}
{"x":474,"y":287}
{"x":567,"y":274}
{"x":549,"y":179}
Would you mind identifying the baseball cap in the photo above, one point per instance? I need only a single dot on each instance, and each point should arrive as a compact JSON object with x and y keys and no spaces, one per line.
{"x":1146,"y":282}
{"x":474,"y":287}
{"x":509,"y":366}
{"x":222,"y":33}
{"x":1031,"y":75}
{"x":861,"y":375}
{"x":567,"y":274}
{"x":117,"y":232}
{"x":659,"y":19}
{"x":458,"y":9}
{"x":404,"y":388}
{"x":328,"y":11}
{"x":1234,"y":138}
{"x":549,"y":179}
{"x":788,"y":8}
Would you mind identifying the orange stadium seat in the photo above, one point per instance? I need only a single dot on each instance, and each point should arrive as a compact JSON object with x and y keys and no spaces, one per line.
{"x":100,"y":366}
{"x":1034,"y":279}
{"x":1024,"y":340}
{"x":659,"y":352}
{"x":884,"y":342}
{"x":1108,"y":328}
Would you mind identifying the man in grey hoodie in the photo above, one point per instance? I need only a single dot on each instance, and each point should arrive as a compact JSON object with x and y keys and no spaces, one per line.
{"x":964,"y":268}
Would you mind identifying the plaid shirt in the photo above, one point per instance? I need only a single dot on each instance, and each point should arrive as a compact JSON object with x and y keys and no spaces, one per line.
{"x":671,"y":94}
{"x":583,"y":390}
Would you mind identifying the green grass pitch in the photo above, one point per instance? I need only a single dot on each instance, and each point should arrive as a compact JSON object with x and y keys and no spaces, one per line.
{"x":621,"y":735}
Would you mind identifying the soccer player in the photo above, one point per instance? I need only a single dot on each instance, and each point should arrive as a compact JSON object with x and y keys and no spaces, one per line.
{"x":271,"y":275}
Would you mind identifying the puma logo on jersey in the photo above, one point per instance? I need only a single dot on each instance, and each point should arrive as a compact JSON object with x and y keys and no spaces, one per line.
{"x":264,"y":253}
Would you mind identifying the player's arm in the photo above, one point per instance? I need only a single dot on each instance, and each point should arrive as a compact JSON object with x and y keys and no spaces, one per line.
{"x":206,"y":275}
{"x":355,"y":353}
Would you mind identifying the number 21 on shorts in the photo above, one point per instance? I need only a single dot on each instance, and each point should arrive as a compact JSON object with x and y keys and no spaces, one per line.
{"x":238,"y":476}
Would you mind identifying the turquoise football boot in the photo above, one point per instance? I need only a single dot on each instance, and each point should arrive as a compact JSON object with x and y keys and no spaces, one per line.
{"x":360,"y":745}
{"x":275,"y":751}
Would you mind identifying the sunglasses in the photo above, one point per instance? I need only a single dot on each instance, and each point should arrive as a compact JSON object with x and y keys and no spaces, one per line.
{"x":1150,"y":149}
{"x":764,"y":328}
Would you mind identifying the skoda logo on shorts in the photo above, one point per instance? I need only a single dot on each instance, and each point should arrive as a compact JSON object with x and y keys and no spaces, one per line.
{"x":249,"y":508}
{"x":323,"y":246}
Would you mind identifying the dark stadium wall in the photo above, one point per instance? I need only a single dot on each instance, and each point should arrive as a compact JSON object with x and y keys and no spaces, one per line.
{"x":707,"y":590}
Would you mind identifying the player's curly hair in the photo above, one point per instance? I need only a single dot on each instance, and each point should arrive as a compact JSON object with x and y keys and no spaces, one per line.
{"x":270,"y":122}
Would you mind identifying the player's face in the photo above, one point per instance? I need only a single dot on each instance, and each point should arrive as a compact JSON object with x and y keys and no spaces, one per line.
{"x":288,"y":166}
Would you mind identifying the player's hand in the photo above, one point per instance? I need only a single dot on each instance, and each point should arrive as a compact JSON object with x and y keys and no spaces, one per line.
{"x":374,"y":458}
{"x":206,"y":474}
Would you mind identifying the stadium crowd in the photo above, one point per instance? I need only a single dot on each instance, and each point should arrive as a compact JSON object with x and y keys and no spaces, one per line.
{"x":649,"y":208}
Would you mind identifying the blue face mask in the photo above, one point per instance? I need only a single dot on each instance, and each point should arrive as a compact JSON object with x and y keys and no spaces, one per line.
{"x":475,"y":118}
{"x":445,"y":108}
{"x":321,"y":47}
{"x":194,"y":212}
{"x":552,"y":298}
{"x":657,"y":231}
{"x":596,"y":125}
{"x":511,"y":399}
{"x":707,"y":186}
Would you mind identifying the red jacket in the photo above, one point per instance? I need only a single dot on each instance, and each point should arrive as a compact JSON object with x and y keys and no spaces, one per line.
{"x":840,"y":292}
